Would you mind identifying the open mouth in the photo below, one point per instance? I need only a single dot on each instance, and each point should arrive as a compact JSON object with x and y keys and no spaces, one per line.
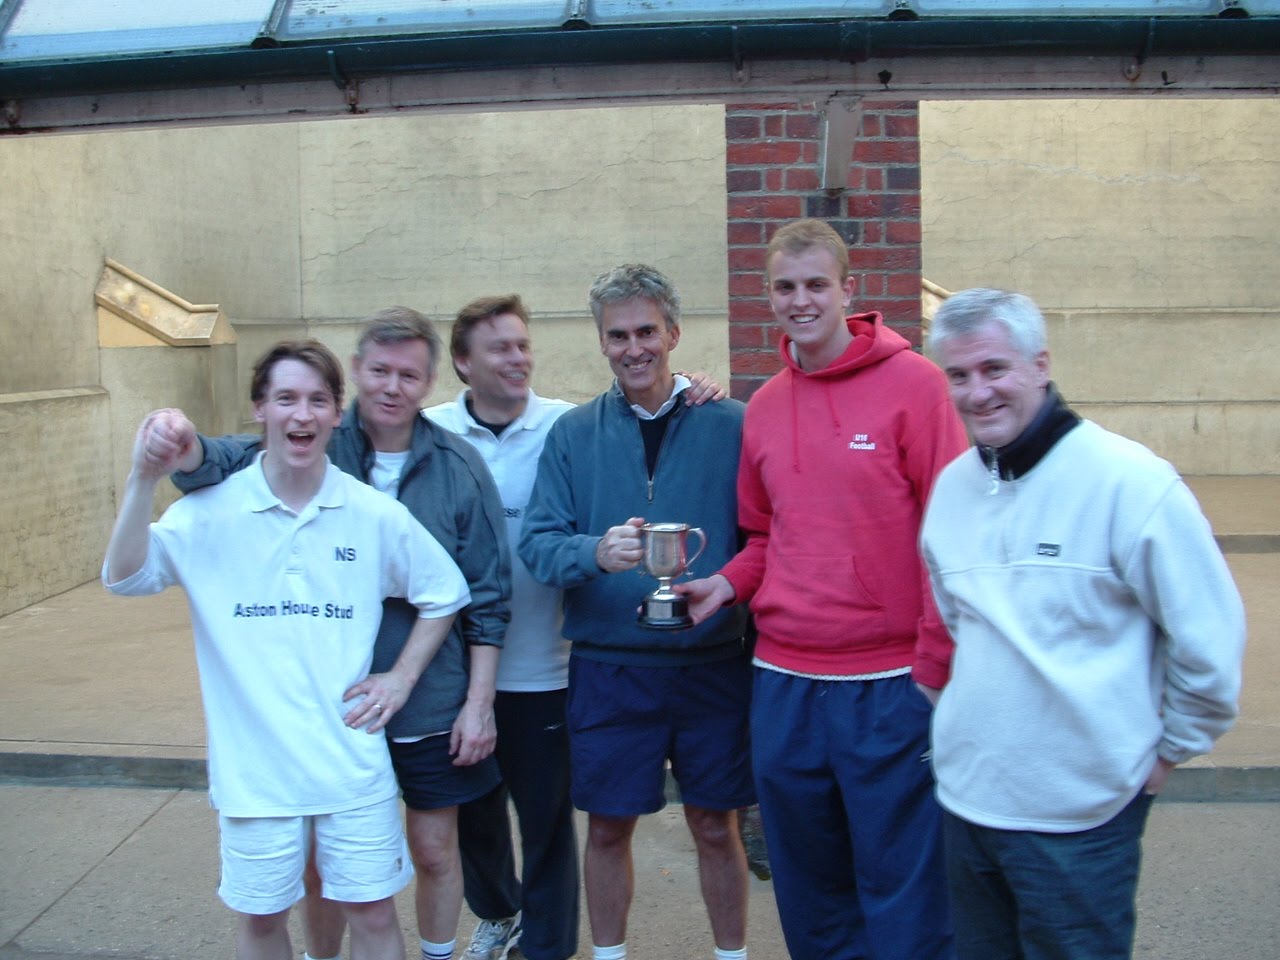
{"x":804,"y":318}
{"x":300,"y":439}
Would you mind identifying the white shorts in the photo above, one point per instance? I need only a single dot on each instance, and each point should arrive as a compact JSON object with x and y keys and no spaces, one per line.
{"x":361,"y":855}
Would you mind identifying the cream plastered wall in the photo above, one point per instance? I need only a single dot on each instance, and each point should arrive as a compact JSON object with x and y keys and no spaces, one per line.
{"x":301,"y":230}
{"x":55,"y":495}
{"x":431,"y":212}
{"x":1149,"y":231}
{"x":210,"y":213}
{"x":1104,"y":203}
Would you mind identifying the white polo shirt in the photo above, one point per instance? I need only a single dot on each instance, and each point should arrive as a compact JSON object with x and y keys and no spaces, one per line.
{"x":534,"y":656}
{"x":285,"y":607}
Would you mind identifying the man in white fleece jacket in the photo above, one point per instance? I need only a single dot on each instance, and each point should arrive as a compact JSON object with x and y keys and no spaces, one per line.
{"x":1098,"y":638}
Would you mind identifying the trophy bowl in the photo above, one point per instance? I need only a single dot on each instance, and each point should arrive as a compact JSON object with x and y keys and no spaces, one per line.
{"x":666,"y":556}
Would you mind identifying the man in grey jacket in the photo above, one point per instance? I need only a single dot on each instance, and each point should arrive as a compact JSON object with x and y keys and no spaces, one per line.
{"x":442,"y":740}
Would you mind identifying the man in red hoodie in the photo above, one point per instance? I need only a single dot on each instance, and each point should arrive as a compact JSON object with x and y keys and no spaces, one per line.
{"x":839,"y":452}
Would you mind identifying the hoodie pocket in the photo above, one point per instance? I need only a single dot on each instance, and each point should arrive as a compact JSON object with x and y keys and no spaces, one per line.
{"x":823,"y":598}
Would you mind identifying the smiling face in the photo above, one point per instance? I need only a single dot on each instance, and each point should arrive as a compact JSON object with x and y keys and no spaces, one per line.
{"x":996,"y":388}
{"x":392,"y":380}
{"x":497,"y":365}
{"x":635,"y":337}
{"x":298,"y":412}
{"x":809,"y":300}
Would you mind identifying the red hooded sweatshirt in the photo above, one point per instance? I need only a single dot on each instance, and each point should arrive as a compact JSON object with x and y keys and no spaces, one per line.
{"x":836,"y":468}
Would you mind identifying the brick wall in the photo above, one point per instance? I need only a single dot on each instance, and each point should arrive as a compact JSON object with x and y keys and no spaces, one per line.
{"x":773,"y":175}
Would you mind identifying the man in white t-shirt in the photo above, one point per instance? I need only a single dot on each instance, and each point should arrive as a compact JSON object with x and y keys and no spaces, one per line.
{"x":286,"y":566}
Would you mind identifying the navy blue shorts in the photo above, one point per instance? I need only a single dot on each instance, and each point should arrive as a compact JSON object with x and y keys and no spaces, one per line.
{"x":430,"y":781}
{"x":625,"y":722}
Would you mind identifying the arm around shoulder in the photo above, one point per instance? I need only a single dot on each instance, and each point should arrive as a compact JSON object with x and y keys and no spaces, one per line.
{"x":213,"y":459}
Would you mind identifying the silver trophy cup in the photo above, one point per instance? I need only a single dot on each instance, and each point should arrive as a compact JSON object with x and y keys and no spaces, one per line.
{"x":666,"y":556}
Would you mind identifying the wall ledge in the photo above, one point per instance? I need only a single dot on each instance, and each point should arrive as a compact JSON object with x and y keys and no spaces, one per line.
{"x":41,"y":396}
{"x":158,"y":312}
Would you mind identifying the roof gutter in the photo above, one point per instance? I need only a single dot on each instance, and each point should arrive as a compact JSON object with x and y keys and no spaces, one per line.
{"x":852,"y":41}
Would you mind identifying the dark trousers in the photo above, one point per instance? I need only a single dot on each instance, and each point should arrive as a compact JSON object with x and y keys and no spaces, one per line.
{"x":533,"y":755}
{"x":853,"y":830}
{"x":1021,"y":895}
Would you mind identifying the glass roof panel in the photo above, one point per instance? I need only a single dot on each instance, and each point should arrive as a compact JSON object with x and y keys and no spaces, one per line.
{"x":44,"y":29}
{"x":316,"y":19}
{"x":41,"y":30}
{"x":673,"y":11}
{"x":668,"y":11}
{"x":1074,"y":8}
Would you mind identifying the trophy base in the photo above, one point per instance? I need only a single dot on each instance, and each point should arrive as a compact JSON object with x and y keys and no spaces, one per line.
{"x":665,"y":613}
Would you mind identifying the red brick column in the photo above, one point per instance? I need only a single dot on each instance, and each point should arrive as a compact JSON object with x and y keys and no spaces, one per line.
{"x":773,"y":172}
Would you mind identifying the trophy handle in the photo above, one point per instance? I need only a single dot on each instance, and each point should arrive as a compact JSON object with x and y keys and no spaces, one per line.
{"x":702,"y":545}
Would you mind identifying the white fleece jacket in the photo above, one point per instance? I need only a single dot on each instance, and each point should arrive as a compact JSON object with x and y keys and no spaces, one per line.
{"x":1096,"y":626}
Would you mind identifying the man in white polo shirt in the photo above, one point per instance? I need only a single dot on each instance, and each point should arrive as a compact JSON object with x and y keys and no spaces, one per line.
{"x":507,"y":423}
{"x":286,"y":566}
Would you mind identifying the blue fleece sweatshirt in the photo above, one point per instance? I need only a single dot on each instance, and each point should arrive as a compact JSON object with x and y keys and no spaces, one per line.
{"x":592,"y":476}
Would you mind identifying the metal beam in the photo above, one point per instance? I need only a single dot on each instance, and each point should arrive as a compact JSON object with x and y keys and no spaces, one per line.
{"x":921,"y":78}
{"x":909,"y":78}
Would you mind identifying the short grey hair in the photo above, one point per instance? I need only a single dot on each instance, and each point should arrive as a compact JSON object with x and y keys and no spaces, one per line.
{"x":398,"y":325}
{"x":969,"y":310}
{"x":635,"y":281}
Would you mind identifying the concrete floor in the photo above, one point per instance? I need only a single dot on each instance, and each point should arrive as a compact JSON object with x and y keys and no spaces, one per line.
{"x":130,"y":873}
{"x":97,"y":691}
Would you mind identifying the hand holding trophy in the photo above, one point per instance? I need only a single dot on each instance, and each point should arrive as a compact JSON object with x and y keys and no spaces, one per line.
{"x":666,"y":556}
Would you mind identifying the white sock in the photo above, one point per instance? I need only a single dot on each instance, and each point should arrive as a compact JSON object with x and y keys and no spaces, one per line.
{"x":739,"y":954}
{"x":438,"y":951}
{"x":617,"y":952}
{"x":307,"y":956}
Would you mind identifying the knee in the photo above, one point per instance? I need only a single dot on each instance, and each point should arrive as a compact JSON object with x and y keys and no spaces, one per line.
{"x":264,"y":926}
{"x":609,"y":832}
{"x":378,"y":917}
{"x":434,"y":854}
{"x":434,"y":859}
{"x":713,"y":829}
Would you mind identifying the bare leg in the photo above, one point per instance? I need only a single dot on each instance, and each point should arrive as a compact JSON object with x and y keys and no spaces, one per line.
{"x":609,"y":877}
{"x":263,"y":936}
{"x":433,"y":841}
{"x":323,"y":920}
{"x":722,"y":872}
{"x":375,"y":930}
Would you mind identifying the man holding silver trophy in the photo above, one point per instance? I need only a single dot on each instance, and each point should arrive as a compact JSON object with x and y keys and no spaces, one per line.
{"x":623,"y":480}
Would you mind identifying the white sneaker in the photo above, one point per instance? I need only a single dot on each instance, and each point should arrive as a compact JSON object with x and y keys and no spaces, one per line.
{"x":493,"y":939}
